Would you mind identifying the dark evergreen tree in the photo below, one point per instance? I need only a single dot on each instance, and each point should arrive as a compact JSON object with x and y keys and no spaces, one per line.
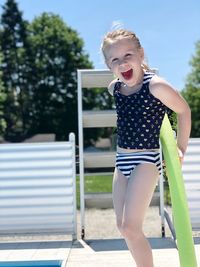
{"x":2,"y":101}
{"x":13,"y":44}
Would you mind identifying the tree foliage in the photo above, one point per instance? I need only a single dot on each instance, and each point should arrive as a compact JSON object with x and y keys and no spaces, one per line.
{"x":13,"y":44}
{"x":39,"y":64}
{"x":56,"y":54}
{"x":2,"y":101}
{"x":192,"y":91}
{"x":39,"y":73}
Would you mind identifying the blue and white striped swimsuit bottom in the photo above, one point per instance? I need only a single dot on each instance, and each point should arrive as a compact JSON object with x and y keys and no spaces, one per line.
{"x":126,"y":162}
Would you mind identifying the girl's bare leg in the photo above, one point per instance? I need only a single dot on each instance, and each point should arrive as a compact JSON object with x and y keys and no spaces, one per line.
{"x":120,"y":183}
{"x":131,"y":199}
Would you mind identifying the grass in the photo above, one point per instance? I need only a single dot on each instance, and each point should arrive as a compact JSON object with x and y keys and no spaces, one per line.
{"x":93,"y":184}
{"x":103,"y":183}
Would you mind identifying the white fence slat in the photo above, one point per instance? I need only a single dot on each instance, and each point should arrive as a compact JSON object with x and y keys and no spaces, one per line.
{"x":38,"y":201}
{"x":61,"y":181}
{"x":52,"y":173}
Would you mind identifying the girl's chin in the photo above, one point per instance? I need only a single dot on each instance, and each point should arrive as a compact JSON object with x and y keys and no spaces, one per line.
{"x":128,"y":83}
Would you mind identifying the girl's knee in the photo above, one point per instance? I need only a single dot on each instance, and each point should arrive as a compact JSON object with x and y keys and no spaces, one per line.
{"x":130,"y":231}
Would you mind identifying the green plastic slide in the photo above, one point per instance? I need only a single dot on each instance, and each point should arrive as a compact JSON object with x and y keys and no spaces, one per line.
{"x":180,"y":210}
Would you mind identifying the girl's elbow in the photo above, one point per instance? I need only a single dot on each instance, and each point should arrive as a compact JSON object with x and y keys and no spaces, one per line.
{"x":186,"y":111}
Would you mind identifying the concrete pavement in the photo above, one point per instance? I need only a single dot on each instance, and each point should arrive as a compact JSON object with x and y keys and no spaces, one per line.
{"x":91,"y":253}
{"x":103,"y":246}
{"x":114,"y":253}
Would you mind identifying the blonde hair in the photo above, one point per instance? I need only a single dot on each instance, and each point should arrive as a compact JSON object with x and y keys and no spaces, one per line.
{"x":120,"y":34}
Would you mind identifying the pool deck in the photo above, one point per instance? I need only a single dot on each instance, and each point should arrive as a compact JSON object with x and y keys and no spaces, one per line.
{"x":91,"y":253}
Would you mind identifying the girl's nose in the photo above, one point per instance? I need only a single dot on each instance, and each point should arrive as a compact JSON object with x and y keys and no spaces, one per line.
{"x":122,"y":61}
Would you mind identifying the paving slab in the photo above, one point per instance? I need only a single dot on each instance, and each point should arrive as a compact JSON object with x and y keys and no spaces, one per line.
{"x":114,"y":253}
{"x":92,"y":252}
{"x":34,"y":250}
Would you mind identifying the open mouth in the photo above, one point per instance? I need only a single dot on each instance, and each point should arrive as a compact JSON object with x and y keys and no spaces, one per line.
{"x":127,"y":74}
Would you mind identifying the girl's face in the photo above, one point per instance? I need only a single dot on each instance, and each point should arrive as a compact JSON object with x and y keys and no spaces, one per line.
{"x":124,"y":59}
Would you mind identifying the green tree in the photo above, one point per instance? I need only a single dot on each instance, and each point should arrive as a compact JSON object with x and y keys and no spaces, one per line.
{"x":191,"y":91}
{"x":2,"y":101}
{"x":56,"y":54}
{"x":13,"y":44}
{"x":39,"y":72}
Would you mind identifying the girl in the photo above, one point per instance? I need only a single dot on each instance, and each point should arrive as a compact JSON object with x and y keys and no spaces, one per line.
{"x":141,"y":99}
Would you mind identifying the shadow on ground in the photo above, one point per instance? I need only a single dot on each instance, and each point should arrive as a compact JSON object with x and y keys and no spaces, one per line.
{"x":36,"y":245}
{"x":119,"y":244}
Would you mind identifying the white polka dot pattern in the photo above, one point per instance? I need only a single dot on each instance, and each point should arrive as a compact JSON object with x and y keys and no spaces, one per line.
{"x":139,"y":117}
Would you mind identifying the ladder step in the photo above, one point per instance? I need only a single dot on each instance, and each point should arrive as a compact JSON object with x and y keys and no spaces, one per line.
{"x":101,"y":118}
{"x":99,"y":159}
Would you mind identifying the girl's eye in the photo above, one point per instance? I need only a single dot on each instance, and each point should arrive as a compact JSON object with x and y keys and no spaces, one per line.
{"x":114,"y":60}
{"x":128,"y":55}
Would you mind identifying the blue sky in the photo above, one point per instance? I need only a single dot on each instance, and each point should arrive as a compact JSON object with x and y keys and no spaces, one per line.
{"x":168,"y":30}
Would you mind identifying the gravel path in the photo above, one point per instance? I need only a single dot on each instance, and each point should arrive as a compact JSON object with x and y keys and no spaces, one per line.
{"x":100,"y":223}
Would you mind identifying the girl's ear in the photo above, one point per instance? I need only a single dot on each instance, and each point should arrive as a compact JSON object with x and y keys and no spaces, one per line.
{"x":142,"y":53}
{"x":107,"y":64}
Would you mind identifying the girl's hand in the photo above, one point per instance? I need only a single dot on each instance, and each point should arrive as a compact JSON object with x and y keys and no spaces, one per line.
{"x":181,"y":156}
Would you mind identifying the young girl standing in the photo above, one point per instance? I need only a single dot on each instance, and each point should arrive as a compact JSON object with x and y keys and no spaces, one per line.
{"x":142,"y":99}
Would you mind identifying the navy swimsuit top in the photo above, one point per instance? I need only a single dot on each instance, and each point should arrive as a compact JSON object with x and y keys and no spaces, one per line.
{"x":139,"y":117}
